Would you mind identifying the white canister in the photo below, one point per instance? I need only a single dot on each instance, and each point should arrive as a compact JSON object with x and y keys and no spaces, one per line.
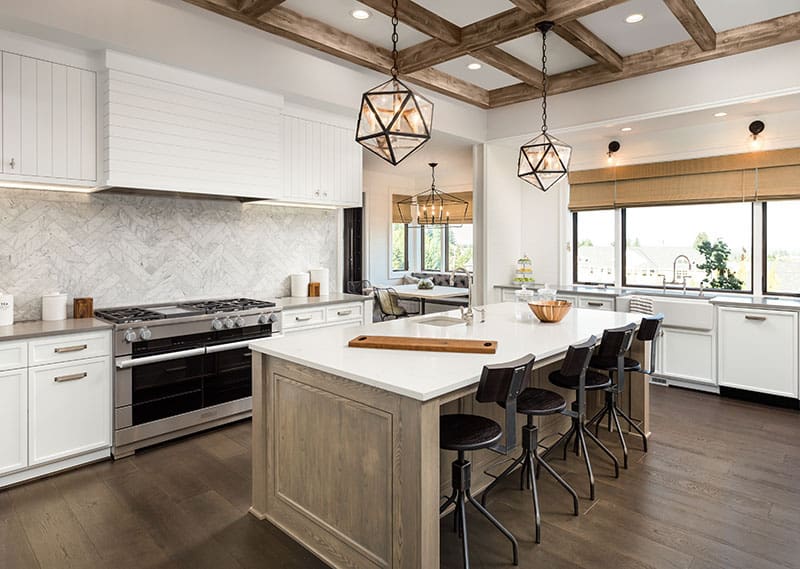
{"x":300,"y":284}
{"x":6,"y":309}
{"x":54,"y":306}
{"x":323,"y":277}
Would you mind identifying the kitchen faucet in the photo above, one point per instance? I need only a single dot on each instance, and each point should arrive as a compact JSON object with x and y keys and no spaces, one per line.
{"x":468,"y":315}
{"x":675,"y":269}
{"x":453,"y":274}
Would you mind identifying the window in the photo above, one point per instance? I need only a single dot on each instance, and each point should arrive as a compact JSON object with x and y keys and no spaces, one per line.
{"x":781,"y":247}
{"x":432,"y":250}
{"x":399,"y":246}
{"x":593,"y":246}
{"x":709,"y":242}
{"x":459,"y":247}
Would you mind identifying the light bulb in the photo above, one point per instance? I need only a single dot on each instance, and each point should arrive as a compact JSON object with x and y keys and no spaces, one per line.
{"x":755,"y":143}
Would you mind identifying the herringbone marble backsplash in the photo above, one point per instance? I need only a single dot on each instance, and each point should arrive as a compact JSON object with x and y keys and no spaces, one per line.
{"x":128,"y":249}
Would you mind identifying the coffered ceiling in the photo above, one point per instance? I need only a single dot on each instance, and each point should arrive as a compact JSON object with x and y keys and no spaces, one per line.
{"x":591,"y":44}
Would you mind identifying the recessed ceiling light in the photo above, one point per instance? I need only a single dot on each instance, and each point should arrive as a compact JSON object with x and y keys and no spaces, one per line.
{"x":634,"y":18}
{"x":721,"y":114}
{"x":474,"y":66}
{"x":626,"y":129}
{"x":360,"y":14}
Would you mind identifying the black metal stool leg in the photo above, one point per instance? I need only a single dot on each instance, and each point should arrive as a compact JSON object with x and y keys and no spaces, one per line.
{"x":635,"y":427}
{"x":537,"y":517}
{"x":604,"y":448}
{"x":621,"y":437}
{"x":462,"y":527}
{"x":597,"y":419}
{"x":514,"y":465}
{"x":560,"y":480}
{"x":586,"y":459}
{"x":496,"y":524}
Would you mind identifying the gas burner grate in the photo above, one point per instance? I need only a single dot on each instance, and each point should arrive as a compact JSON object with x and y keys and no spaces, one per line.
{"x":229,"y":305}
{"x":127,"y":315}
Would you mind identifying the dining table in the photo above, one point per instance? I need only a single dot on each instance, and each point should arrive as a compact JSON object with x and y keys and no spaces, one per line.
{"x":411,"y":291}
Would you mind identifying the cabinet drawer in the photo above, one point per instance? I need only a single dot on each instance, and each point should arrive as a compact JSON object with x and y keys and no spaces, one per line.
{"x":596,"y":303}
{"x":13,"y":355}
{"x":303,"y":318}
{"x":69,"y":409}
{"x":344,"y":312}
{"x":57,"y":349}
{"x":758,"y":350}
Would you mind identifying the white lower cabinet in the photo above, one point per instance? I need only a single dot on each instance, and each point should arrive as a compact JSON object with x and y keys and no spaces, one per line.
{"x":687,"y":355}
{"x":69,"y":409}
{"x":13,"y":420}
{"x":758,"y":350}
{"x":341,"y":314}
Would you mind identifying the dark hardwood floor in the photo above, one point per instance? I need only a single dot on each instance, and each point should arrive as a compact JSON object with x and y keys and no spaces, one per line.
{"x":719,"y":489}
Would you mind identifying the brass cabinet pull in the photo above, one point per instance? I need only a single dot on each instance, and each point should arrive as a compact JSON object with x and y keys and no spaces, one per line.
{"x":71,"y":377}
{"x":757,"y":318}
{"x":67,"y":349}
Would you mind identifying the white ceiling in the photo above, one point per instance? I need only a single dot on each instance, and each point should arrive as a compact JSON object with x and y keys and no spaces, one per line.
{"x":659,"y":27}
{"x":377,"y":29}
{"x":487,"y":76}
{"x":561,"y":56}
{"x":463,"y":12}
{"x":727,"y":14}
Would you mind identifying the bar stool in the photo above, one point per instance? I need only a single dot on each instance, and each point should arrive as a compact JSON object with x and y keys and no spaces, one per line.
{"x":574,"y":374}
{"x":616,"y":366}
{"x":463,"y":432}
{"x":534,"y":402}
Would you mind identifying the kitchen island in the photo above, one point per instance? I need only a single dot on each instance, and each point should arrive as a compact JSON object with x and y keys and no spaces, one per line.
{"x":346,"y":455}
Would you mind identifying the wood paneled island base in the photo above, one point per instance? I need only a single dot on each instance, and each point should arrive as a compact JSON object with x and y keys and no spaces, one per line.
{"x":352,"y":470}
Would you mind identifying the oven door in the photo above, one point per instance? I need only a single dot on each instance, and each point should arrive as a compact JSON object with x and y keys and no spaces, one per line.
{"x":159,"y":386}
{"x":229,"y":374}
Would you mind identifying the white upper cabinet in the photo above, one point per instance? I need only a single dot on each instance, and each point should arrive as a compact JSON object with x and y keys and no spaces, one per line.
{"x":322,"y":162}
{"x":173,"y":130}
{"x":49,"y":122}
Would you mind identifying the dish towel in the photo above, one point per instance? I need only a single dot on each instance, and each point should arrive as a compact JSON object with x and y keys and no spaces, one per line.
{"x":641,"y":305}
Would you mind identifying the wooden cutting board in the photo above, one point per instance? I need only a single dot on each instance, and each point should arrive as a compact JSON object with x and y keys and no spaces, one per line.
{"x":424,"y":344}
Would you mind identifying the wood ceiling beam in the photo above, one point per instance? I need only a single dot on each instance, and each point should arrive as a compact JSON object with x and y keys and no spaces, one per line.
{"x":494,"y":30}
{"x":533,"y":7}
{"x":582,"y":38}
{"x":257,"y":8}
{"x":694,"y":21}
{"x":730,"y":42}
{"x":320,"y":36}
{"x":419,"y":18}
{"x":507,"y":63}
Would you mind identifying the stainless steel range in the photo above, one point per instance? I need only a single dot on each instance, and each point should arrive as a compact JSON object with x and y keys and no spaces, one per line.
{"x":183,"y":367}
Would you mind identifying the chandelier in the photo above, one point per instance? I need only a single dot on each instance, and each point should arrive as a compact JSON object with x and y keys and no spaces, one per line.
{"x":432,"y":207}
{"x":394,"y":121}
{"x":544,"y":160}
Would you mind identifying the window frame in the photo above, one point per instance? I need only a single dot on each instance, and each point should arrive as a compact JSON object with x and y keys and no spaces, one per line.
{"x":764,"y":260}
{"x":405,"y":249}
{"x":445,"y":251}
{"x":624,"y":241}
{"x":575,"y":253}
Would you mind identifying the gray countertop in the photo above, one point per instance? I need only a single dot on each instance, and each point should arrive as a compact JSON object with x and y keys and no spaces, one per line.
{"x":290,"y":302}
{"x":35,"y":328}
{"x":748,"y":301}
{"x":584,"y":290}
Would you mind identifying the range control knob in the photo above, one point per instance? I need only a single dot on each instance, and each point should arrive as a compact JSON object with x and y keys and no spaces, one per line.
{"x":216,"y":324}
{"x":239,"y":322}
{"x":267,"y":318}
{"x":145,"y":334}
{"x":228,"y":322}
{"x":130,"y":335}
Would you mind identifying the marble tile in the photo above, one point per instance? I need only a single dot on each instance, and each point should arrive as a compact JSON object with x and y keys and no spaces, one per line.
{"x":125,"y":249}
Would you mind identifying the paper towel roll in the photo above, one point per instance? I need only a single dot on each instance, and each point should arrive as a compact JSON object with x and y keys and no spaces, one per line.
{"x":6,"y":310}
{"x":300,"y":284}
{"x":323,"y":277}
{"x":54,"y":306}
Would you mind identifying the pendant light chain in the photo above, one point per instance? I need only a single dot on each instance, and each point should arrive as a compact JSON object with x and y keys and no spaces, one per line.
{"x":395,"y":22}
{"x":544,"y":80}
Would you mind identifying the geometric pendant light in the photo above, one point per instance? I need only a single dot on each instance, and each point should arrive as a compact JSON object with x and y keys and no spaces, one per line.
{"x":394,"y":121}
{"x":544,"y":160}
{"x":432,"y":207}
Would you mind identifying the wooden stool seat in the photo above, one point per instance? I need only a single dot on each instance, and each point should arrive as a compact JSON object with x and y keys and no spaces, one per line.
{"x":594,"y":380}
{"x":536,"y":401}
{"x":467,"y":432}
{"x":610,"y":364}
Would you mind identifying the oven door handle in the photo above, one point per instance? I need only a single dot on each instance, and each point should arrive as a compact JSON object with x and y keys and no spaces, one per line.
{"x":230,"y":346}
{"x":126,"y":362}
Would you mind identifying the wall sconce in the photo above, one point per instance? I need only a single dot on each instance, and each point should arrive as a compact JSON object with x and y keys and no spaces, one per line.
{"x":755,"y":128}
{"x":613,"y":148}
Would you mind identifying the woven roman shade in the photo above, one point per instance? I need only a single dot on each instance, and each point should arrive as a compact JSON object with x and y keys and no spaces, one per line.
{"x":736,"y":177}
{"x":457,"y":216}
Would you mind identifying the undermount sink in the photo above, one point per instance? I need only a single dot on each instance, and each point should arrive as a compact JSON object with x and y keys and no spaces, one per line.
{"x":442,"y":321}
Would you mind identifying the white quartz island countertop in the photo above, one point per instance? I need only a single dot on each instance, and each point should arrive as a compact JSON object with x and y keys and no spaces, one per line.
{"x":427,"y":375}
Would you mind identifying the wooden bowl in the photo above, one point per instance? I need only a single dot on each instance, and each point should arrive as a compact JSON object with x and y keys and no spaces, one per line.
{"x":550,"y":310}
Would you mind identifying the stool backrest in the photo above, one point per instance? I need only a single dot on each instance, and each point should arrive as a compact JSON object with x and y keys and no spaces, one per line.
{"x":575,"y":364}
{"x":648,"y":332}
{"x":387,"y":301}
{"x":502,"y":382}
{"x":616,"y":341}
